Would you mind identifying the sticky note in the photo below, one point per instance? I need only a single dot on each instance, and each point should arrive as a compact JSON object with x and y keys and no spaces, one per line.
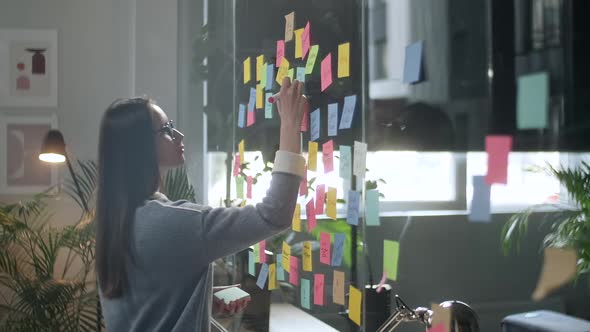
{"x":252,"y":100}
{"x":338,"y":287}
{"x":313,"y":54}
{"x":256,"y":249}
{"x":326,"y":72}
{"x":286,"y":256}
{"x":262,"y":246}
{"x":332,"y":119}
{"x":331,"y":204}
{"x":315,"y":125}
{"x":310,"y":212}
{"x":247,"y":70}
{"x":360,"y":159}
{"x":263,"y":74}
{"x":251,"y":118}
{"x":344,"y":60}
{"x":243,"y":203}
{"x":249,"y":187}
{"x":372,"y":208}
{"x":272,"y":276}
{"x":559,"y":267}
{"x":498,"y":148}
{"x":320,"y":196}
{"x":390,"y":258}
{"x":240,"y":186}
{"x":270,"y":73}
{"x":301,"y":74}
{"x":354,"y":305}
{"x":280,"y":52}
{"x":345,"y":162}
{"x":318,"y":289}
{"x":251,"y":262}
{"x":312,"y":158}
{"x":259,"y":96}
{"x":280,"y":270}
{"x":353,"y":204}
{"x":307,"y":263}
{"x":241,"y":146}
{"x":328,"y":156}
{"x":294,"y":271}
{"x":305,"y":40}
{"x":413,"y":63}
{"x":296,"y":224}
{"x":267,"y":106}
{"x":325,"y":248}
{"x":291,"y":73}
{"x":305,"y":121}
{"x":289,"y":26}
{"x":298,"y":44}
{"x":348,"y":112}
{"x":283,"y":71}
{"x":236,"y":164}
{"x":532,"y":101}
{"x":242,"y":116}
{"x":303,"y":184}
{"x":305,"y":296}
{"x":480,"y":202}
{"x":262,"y":276}
{"x":259,"y":63}
{"x":338,"y":251}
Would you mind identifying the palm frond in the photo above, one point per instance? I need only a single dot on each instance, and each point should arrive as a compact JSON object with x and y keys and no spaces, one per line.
{"x":177,"y":187}
{"x":86,"y":173}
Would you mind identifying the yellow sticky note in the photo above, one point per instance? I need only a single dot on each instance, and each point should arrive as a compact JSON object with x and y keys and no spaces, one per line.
{"x":247,"y":70}
{"x":256,"y":253}
{"x":283,"y":71}
{"x":298,"y":44}
{"x":241,"y":150}
{"x":289,"y":26}
{"x":243,"y":203}
{"x":297,"y":218}
{"x":259,"y":63}
{"x":259,"y":96}
{"x":331,"y":203}
{"x":344,"y":60}
{"x":307,"y":264}
{"x":272,"y":276}
{"x":354,"y":305}
{"x":286,"y":256}
{"x":312,"y":158}
{"x":291,"y":73}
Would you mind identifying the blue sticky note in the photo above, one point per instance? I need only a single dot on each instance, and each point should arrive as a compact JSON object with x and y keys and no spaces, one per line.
{"x":305,"y":294}
{"x":280,"y":270}
{"x":270,"y":73}
{"x":533,"y":100}
{"x":352,"y":214}
{"x":262,"y":276}
{"x":301,"y":74}
{"x":480,"y":203}
{"x":315,"y":124}
{"x":251,"y":270}
{"x":372,"y":208}
{"x":252,"y":101}
{"x":348,"y":111}
{"x":242,"y":116}
{"x":332,"y":119}
{"x":345,"y":162}
{"x":413,"y":62}
{"x":338,"y":249}
{"x":267,"y":106}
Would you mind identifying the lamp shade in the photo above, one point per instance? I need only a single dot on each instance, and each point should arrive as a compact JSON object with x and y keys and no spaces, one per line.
{"x":53,"y":149}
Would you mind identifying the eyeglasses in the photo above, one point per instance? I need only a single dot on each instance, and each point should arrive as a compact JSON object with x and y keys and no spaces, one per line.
{"x":168,"y":129}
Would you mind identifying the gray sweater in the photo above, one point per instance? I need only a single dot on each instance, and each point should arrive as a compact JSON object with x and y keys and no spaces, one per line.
{"x":174,"y":244}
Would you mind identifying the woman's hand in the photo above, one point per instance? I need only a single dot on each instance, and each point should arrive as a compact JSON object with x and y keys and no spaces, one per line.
{"x":291,"y":105}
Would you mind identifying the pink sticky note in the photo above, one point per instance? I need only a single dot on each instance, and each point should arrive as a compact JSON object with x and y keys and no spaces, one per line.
{"x":251,"y":118}
{"x":327,"y":72}
{"x":293,"y":271}
{"x":325,"y":248}
{"x":310,"y":212}
{"x":305,"y":121}
{"x":305,"y":40}
{"x":280,"y":52}
{"x":498,"y":147}
{"x":303,"y":184}
{"x":440,"y":327}
{"x":262,"y":245}
{"x":320,"y":196}
{"x":328,"y":156}
{"x":237,"y":164}
{"x":318,"y":289}
{"x":249,"y":187}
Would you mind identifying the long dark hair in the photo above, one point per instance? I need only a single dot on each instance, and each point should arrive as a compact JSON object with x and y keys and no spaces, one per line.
{"x":128,"y":175}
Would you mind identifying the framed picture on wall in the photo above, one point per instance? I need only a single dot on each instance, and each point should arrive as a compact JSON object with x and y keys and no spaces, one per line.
{"x":28,"y":68}
{"x":21,"y":171}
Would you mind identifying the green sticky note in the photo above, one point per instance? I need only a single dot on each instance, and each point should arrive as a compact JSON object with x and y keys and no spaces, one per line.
{"x":240,"y":186}
{"x":291,"y":73}
{"x":305,"y":294}
{"x":256,"y":253}
{"x":532,"y":101}
{"x":280,"y":271}
{"x":263,"y":76}
{"x":390,"y":258}
{"x":251,"y":270}
{"x":267,"y":106}
{"x":372,"y":208}
{"x":313,"y":54}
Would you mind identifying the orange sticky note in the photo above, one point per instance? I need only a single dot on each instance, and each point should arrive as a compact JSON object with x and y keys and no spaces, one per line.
{"x":312,"y":159}
{"x":310,"y":211}
{"x":259,"y":63}
{"x":280,"y":52}
{"x":326,"y":72}
{"x":262,"y":246}
{"x":331,"y":203}
{"x":249,"y":187}
{"x":296,"y":225}
{"x":272,"y":276}
{"x":298,"y":44}
{"x":283,"y":71}
{"x":289,"y":25}
{"x":294,"y":271}
{"x":307,"y":263}
{"x":328,"y":156}
{"x":338,"y":288}
{"x":325,"y":248}
{"x":259,"y":96}
{"x":247,"y":70}
{"x":286,"y":256}
{"x":241,"y":150}
{"x":318,"y":289}
{"x":344,"y":60}
{"x":354,"y":305}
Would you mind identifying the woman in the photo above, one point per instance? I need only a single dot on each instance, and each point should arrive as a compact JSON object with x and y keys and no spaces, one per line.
{"x":153,"y":256}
